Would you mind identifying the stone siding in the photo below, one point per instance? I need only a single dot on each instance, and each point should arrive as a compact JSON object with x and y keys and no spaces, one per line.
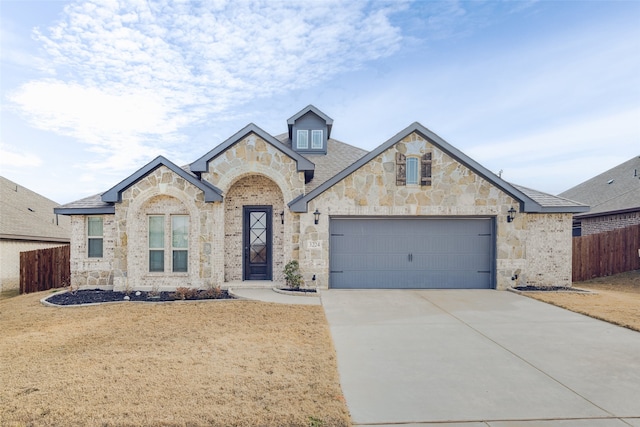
{"x":455,"y":191}
{"x":92,"y":272}
{"x":534,"y":247}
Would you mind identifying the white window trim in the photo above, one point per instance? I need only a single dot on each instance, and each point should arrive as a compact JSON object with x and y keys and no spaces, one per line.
{"x":415,"y":178}
{"x":167,"y":243}
{"x":100,"y":237}
{"x":313,"y":140}
{"x":156,"y":248}
{"x":299,"y":140}
{"x":179,"y":249}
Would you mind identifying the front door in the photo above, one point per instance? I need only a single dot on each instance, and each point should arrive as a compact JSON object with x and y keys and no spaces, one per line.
{"x":256,"y":238}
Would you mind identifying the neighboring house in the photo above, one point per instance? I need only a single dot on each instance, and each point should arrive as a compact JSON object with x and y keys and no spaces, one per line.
{"x":413,"y":213}
{"x":27,"y":222}
{"x":614,"y":198}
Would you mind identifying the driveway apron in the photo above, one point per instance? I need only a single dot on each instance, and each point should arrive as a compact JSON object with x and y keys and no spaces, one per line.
{"x":479,"y":356}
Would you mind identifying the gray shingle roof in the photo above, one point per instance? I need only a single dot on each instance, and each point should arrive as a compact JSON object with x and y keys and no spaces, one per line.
{"x":342,"y":159}
{"x":548,"y":200}
{"x":26,"y":215}
{"x":615,"y":190}
{"x":339,"y":156}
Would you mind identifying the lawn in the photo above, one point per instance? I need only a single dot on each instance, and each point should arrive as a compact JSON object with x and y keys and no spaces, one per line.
{"x":615,"y":299}
{"x":215,"y":363}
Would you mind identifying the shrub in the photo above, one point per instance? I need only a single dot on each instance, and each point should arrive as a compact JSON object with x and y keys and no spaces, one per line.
{"x":184,"y":292}
{"x":292,"y":275}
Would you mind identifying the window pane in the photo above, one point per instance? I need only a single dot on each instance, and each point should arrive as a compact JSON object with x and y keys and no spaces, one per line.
{"x":156,"y":231}
{"x":156,"y":260}
{"x":303,"y":139}
{"x":316,"y":139}
{"x":94,"y":226}
{"x":412,"y":170}
{"x":180,"y":261}
{"x":95,"y":248}
{"x":180,"y":231}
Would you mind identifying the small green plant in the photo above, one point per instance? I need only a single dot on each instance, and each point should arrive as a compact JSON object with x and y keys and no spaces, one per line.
{"x":315,"y":422}
{"x":292,"y":275}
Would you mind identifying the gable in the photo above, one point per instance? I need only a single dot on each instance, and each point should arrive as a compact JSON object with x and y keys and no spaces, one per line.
{"x":114,"y":195}
{"x":303,"y":165}
{"x":527,"y":203}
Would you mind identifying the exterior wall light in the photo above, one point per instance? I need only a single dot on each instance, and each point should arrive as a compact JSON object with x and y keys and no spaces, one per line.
{"x":316,"y":216}
{"x":512,"y":214}
{"x":282,"y":217}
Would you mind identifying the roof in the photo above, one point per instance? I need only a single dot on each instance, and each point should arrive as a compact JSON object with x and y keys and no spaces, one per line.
{"x":322,"y":171}
{"x":614,"y":191}
{"x":339,"y":156}
{"x":530,"y":200}
{"x":211,"y":193}
{"x":26,"y":215}
{"x":202,"y":164}
{"x":310,"y":109}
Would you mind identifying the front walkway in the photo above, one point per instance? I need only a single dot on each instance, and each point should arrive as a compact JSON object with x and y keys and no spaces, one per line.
{"x":480,"y":358}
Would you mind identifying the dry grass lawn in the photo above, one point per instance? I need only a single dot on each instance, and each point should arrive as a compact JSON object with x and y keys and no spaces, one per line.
{"x":215,"y":363}
{"x":616,"y":299}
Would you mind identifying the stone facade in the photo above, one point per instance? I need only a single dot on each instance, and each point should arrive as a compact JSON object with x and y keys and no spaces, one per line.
{"x":534,"y":248}
{"x":456,"y":191}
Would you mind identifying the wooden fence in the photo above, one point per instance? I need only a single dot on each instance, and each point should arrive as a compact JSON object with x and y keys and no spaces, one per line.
{"x":44,"y":269}
{"x":608,"y":253}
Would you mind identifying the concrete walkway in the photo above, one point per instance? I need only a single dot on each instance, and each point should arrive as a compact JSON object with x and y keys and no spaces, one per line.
{"x":269,"y":295}
{"x":480,"y":358}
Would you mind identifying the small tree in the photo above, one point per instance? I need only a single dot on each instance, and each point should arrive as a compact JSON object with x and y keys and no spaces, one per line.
{"x":292,"y":275}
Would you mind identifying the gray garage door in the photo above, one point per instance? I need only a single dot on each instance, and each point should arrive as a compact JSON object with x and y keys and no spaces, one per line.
{"x":412,"y":253}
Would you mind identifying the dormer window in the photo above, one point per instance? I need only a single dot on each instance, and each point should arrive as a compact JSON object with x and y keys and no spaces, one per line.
{"x":310,"y":131}
{"x":302,"y":140}
{"x":316,"y":140}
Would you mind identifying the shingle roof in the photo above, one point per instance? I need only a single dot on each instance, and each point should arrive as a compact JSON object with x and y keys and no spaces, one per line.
{"x":339,"y":156}
{"x":26,"y":215}
{"x":539,"y":203}
{"x":548,"y":200}
{"x":341,"y":160}
{"x":615,"y":190}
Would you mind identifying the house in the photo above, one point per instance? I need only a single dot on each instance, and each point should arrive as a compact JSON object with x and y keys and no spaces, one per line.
{"x":27,"y":223}
{"x":414,"y":213}
{"x":614,"y":198}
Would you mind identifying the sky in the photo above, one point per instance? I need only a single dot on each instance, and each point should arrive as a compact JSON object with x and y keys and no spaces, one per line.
{"x":547,"y":93}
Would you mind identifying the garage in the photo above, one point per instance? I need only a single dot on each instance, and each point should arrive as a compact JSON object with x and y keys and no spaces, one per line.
{"x":412,"y":253}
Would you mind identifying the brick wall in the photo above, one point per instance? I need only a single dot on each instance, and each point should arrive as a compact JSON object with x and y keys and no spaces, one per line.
{"x":609,"y":222}
{"x":253,"y":190}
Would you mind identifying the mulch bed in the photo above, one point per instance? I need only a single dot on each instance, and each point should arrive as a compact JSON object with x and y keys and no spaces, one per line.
{"x":548,"y":289}
{"x":92,"y":296}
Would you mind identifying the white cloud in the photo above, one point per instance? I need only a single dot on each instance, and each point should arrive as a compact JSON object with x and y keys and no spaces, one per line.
{"x":14,"y":158}
{"x":131,"y":75}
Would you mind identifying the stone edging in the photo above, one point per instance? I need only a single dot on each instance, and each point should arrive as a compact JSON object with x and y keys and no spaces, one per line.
{"x":44,"y":301}
{"x":297,"y":294}
{"x":555,"y":291}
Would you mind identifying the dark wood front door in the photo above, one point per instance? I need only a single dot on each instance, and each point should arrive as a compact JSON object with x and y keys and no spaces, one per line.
{"x":256,"y":237}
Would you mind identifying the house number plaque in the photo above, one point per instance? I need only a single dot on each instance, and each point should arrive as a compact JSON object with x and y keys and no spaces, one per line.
{"x":314,"y":244}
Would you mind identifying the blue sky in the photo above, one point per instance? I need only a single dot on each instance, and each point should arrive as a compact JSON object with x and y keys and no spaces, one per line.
{"x":546,"y":92}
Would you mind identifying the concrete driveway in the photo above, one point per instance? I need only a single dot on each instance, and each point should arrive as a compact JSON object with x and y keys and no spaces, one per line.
{"x":480,"y":358}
